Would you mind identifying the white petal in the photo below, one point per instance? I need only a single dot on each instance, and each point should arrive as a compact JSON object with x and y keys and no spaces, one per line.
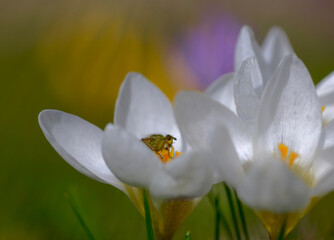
{"x":326,"y":183}
{"x":222,"y":91}
{"x":324,"y":162}
{"x":326,"y":86}
{"x":289,"y":112}
{"x":129,"y":158}
{"x":247,"y":47}
{"x":187,"y":176}
{"x":325,"y":91}
{"x":328,"y":113}
{"x":142,"y":109}
{"x":329,"y":135}
{"x":327,"y":155}
{"x":275,"y":46}
{"x":227,"y":165}
{"x":270,"y":185}
{"x":248,"y":90}
{"x":199,"y":116}
{"x":79,"y":143}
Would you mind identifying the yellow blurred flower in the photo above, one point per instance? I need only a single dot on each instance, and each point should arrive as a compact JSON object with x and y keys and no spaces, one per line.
{"x":86,"y":58}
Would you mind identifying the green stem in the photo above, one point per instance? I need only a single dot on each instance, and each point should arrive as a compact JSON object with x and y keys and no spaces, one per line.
{"x":215,"y":204}
{"x":188,"y":236}
{"x":217,"y":232}
{"x":149,"y":229}
{"x":242,"y":216}
{"x":282,"y":232}
{"x":234,"y":217}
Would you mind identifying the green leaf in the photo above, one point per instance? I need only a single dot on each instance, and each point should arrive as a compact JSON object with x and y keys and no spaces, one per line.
{"x":82,"y":222}
{"x":149,"y":229}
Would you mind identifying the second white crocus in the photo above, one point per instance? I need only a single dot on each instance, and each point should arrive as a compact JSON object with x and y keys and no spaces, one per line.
{"x":248,"y":89}
{"x":285,"y":161}
{"x":254,"y":64}
{"x":119,"y":156}
{"x":228,"y":89}
{"x":275,"y":46}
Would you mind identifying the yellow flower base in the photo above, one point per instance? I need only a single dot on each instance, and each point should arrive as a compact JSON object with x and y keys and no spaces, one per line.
{"x":274,"y":222}
{"x":167,"y":215}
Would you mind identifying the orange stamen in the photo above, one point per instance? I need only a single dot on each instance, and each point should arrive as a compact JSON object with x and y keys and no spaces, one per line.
{"x":284,"y":150}
{"x":292,"y":158}
{"x":286,"y":155}
{"x":177,"y":154}
{"x":165,"y":155}
{"x":323,"y":108}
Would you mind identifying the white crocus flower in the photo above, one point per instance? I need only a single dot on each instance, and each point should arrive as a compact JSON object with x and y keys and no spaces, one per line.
{"x":281,"y":166}
{"x":275,"y":46}
{"x":254,"y":64}
{"x":175,"y":177}
{"x":247,"y":96}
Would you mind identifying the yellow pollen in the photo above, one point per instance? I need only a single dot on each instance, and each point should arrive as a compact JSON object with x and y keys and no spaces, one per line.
{"x":166,"y":155}
{"x":323,"y":108}
{"x":285,"y":152}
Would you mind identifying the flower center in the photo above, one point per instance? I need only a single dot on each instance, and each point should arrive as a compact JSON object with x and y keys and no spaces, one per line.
{"x":286,"y":154}
{"x":289,"y":156}
{"x":162,"y":146}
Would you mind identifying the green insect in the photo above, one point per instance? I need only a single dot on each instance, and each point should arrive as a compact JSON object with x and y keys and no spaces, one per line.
{"x":159,"y":143}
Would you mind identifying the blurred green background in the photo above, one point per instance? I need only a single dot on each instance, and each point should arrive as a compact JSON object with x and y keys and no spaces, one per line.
{"x":72,"y":55}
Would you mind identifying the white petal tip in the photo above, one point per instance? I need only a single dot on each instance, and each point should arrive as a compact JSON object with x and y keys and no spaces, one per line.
{"x":246,"y":28}
{"x":130,"y":76}
{"x":108,"y":127}
{"x":47,"y":116}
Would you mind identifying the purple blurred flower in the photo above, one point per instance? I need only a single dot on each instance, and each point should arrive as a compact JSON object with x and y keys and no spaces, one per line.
{"x":208,"y":48}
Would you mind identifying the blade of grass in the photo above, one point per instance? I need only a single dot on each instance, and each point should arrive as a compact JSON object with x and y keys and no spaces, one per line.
{"x":188,"y":236}
{"x":82,"y":222}
{"x":242,"y":216}
{"x":234,"y":217}
{"x":149,"y":229}
{"x":225,"y":225}
{"x":215,"y":204}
